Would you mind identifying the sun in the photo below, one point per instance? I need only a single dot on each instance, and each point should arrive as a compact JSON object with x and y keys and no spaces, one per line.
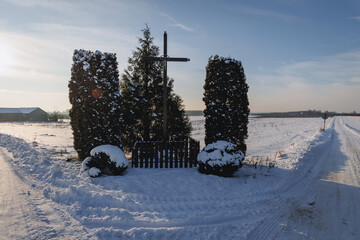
{"x":7,"y":58}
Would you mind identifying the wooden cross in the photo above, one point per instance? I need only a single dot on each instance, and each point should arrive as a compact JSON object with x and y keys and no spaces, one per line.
{"x":165,"y":58}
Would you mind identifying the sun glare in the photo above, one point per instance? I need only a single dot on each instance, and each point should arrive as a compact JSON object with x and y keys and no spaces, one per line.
{"x":7,"y":58}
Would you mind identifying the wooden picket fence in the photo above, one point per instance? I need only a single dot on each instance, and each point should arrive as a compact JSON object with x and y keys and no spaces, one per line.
{"x":171,"y":154}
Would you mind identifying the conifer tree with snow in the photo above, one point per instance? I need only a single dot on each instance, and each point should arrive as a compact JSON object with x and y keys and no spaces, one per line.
{"x":95,"y":96}
{"x":226,"y":102}
{"x":142,"y":98}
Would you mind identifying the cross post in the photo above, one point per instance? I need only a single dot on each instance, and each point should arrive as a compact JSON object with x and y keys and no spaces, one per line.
{"x":165,"y":58}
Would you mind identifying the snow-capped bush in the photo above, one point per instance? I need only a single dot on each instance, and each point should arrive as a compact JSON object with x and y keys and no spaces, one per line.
{"x":105,"y":159}
{"x":220,"y":158}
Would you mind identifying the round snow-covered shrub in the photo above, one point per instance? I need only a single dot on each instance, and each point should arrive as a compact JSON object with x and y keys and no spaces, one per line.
{"x":105,"y":159}
{"x":220,"y":158}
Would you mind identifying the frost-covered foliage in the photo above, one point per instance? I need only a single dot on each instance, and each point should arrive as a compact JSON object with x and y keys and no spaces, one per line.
{"x":105,"y":159}
{"x":142,"y":91}
{"x":226,"y":102}
{"x":220,"y":158}
{"x":95,"y":97}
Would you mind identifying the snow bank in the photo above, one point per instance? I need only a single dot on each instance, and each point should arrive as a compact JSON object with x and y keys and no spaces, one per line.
{"x":168,"y":203}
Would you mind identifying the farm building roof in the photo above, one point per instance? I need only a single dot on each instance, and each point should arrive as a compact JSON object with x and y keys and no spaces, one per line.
{"x":18,"y":110}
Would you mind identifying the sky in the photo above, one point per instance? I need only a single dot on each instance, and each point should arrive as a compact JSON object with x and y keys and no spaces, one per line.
{"x":297,"y":54}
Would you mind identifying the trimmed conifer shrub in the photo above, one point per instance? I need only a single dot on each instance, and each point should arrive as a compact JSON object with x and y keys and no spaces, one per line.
{"x":226,"y":102}
{"x":95,"y":97}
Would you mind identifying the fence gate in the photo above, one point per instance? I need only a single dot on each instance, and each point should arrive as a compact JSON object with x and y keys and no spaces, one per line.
{"x":171,"y":154}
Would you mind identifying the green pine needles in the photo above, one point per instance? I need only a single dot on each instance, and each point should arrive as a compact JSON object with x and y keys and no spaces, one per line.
{"x":142,"y":91}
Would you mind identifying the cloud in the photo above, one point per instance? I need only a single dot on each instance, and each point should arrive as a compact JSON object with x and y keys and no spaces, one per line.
{"x":261,"y":12}
{"x":327,"y":83}
{"x":176,"y":23}
{"x":61,"y":5}
{"x":356,"y":18}
{"x":183,"y":27}
{"x":341,"y":68}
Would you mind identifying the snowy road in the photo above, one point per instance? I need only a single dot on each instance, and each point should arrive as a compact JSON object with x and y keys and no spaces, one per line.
{"x":325,"y":203}
{"x":311,"y":193}
{"x":24,"y":213}
{"x":336,"y":212}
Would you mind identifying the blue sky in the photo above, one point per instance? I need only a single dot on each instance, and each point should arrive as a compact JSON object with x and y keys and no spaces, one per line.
{"x":297,"y":54}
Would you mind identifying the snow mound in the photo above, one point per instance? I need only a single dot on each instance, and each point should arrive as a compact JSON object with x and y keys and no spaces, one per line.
{"x":220,"y":158}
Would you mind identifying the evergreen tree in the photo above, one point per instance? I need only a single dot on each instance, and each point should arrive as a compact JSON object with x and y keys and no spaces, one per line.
{"x":95,"y":96}
{"x":226,"y":102}
{"x":142,"y":91}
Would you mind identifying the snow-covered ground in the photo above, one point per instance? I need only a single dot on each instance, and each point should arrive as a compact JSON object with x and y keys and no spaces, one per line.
{"x":310,"y":193}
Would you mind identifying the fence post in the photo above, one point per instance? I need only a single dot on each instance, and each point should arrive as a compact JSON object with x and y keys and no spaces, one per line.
{"x":141,"y":154}
{"x":181,"y":157}
{"x":191,"y":154}
{"x":171,"y":148}
{"x":146,"y":155}
{"x":186,"y":158}
{"x":156,"y":154}
{"x":133,"y":155}
{"x":176,"y":149}
{"x":166,"y":154}
{"x":161,"y":154}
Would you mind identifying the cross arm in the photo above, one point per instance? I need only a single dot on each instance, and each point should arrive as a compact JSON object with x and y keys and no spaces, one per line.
{"x":170,"y":59}
{"x":155,"y":59}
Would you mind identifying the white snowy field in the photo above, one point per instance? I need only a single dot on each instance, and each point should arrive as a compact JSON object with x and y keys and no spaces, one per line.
{"x":311,"y":193}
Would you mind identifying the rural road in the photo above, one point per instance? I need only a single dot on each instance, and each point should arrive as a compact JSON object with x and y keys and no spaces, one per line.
{"x":336,"y":210}
{"x":24,"y":212}
{"x":324,"y":203}
{"x":13,"y":203}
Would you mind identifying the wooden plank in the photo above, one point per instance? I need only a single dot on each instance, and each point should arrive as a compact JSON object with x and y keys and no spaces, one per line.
{"x":133,"y":156}
{"x":191,"y":152}
{"x":176,"y":155}
{"x":181,"y":157}
{"x":137,"y":156}
{"x":141,"y":150}
{"x":166,"y":150}
{"x":186,"y":157}
{"x":146,"y":154}
{"x":171,"y":148}
{"x":161,"y":154}
{"x":156,"y":150}
{"x":151,"y":154}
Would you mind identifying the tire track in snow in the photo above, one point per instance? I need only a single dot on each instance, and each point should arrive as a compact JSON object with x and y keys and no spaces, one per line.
{"x":24,"y":212}
{"x":299,"y":187}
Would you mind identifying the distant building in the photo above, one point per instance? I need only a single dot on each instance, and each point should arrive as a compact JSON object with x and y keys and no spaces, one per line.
{"x":34,"y":114}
